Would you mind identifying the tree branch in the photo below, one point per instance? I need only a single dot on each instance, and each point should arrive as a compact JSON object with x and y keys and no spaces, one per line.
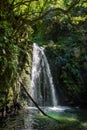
{"x":34,"y":20}
{"x":72,"y":5}
{"x":23,"y":3}
{"x":30,"y":22}
{"x":22,"y":85}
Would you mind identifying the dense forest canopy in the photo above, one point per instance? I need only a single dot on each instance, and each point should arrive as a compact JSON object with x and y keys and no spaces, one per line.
{"x":16,"y":13}
{"x":20,"y":12}
{"x":21,"y":21}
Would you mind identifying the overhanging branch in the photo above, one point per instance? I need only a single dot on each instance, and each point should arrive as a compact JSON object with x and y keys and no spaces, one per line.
{"x":30,"y":22}
{"x":23,"y":3}
{"x":37,"y":106}
{"x":34,"y":20}
{"x":72,"y":5}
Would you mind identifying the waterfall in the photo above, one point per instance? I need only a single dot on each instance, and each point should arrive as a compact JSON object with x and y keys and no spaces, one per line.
{"x":42,"y":87}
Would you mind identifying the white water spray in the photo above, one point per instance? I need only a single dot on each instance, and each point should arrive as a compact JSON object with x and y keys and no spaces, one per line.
{"x":42,"y":87}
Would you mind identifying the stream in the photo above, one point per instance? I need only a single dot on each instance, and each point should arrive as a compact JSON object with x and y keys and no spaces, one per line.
{"x":32,"y":119}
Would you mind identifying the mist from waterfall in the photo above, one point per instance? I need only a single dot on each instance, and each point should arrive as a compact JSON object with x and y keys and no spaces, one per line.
{"x":42,"y":88}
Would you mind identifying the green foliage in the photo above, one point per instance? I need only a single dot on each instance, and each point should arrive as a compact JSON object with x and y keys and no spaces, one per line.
{"x":64,"y":35}
{"x":66,"y":66}
{"x":42,"y":21}
{"x":62,"y":121}
{"x":8,"y":62}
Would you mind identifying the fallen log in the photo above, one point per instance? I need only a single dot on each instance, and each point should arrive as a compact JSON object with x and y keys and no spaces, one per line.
{"x":22,"y":85}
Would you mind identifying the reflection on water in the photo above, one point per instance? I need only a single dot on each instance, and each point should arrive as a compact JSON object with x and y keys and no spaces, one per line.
{"x":27,"y":119}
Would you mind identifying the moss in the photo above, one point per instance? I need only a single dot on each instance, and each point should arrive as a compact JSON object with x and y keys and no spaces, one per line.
{"x":61,"y":123}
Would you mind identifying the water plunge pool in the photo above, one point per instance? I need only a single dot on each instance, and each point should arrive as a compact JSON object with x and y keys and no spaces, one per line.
{"x":65,"y":118}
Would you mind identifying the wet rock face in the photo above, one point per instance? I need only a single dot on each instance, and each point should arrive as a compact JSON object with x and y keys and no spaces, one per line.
{"x":74,"y":90}
{"x":15,"y":93}
{"x":25,"y":62}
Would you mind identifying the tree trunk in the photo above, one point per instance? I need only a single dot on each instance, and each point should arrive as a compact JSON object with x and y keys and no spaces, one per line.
{"x":22,"y":85}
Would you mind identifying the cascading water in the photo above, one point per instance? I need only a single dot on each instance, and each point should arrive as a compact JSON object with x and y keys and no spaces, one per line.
{"x":42,"y":87}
